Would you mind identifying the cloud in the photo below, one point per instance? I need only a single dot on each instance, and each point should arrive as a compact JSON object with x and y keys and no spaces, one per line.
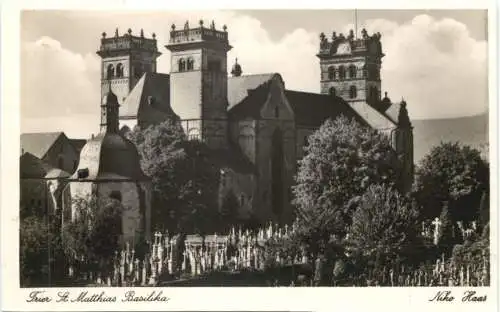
{"x":436,"y":65}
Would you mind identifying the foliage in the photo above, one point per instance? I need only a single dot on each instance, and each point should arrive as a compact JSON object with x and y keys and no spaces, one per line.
{"x":185,"y":180}
{"x":94,"y":234}
{"x":384,"y":226}
{"x":34,"y":249}
{"x":446,"y":230}
{"x":474,"y":254}
{"x":453,"y":173}
{"x":342,"y":159}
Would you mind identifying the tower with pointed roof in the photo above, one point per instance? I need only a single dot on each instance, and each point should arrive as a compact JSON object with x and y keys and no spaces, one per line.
{"x":110,"y":168}
{"x":198,"y":80}
{"x":350,"y":67}
{"x":125,"y":58}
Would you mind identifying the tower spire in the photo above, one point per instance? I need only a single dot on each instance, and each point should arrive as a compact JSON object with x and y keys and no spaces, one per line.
{"x":356,"y":23}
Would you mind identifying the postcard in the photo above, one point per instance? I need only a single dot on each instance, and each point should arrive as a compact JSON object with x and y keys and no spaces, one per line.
{"x":235,"y":159}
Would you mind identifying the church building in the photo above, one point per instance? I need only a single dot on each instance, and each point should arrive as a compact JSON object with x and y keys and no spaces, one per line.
{"x":109,"y":168}
{"x":257,"y":125}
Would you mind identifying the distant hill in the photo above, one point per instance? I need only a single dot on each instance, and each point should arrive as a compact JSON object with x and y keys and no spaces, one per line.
{"x":472,"y":131}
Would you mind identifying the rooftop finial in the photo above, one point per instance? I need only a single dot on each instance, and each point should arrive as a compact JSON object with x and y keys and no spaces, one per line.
{"x":364,"y":33}
{"x":236,"y":71}
{"x":129,"y":31}
{"x":116,"y":32}
{"x":142,"y":33}
{"x":104,"y":34}
{"x":154,"y":36}
{"x":186,"y":25}
{"x":212,"y":26}
{"x":385,"y":93}
{"x":201,"y":23}
{"x":224,"y":28}
{"x":351,"y":34}
{"x":173,"y":27}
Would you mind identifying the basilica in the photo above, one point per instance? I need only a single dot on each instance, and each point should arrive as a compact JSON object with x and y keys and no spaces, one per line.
{"x":254,"y":123}
{"x":254,"y":119}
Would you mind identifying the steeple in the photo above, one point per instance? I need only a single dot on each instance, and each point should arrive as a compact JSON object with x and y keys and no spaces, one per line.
{"x":109,"y":113}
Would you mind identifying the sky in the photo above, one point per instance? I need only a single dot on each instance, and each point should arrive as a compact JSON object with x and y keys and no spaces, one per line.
{"x":436,"y":60}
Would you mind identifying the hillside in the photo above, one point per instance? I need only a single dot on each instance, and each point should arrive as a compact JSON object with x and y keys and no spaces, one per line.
{"x":467,"y":130}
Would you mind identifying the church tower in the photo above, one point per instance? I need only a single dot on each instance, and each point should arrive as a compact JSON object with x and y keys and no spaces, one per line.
{"x":350,"y":67}
{"x":198,"y":81}
{"x":124,"y":60}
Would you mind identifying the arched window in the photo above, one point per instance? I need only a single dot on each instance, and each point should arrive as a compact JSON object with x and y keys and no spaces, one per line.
{"x":332,"y":91}
{"x":194,"y":134}
{"x":373,"y":93}
{"x":352,"y":71}
{"x":182,"y":65}
{"x":190,"y":64}
{"x":277,"y":160}
{"x":276,"y":112}
{"x":110,"y":72}
{"x":119,"y":70}
{"x":341,"y":72}
{"x":353,"y":92}
{"x":331,"y":72}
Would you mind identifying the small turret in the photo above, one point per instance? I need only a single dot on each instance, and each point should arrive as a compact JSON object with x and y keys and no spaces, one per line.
{"x":236,"y":71}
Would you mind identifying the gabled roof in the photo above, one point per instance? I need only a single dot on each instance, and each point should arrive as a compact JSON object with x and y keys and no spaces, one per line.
{"x":32,"y":167}
{"x":152,"y":91}
{"x":312,"y":109}
{"x":38,"y":144}
{"x":372,"y":117}
{"x":78,"y":144}
{"x":237,"y":87}
{"x":251,"y":105}
{"x":393,"y":112}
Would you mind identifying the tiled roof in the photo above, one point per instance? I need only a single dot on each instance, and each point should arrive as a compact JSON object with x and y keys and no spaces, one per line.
{"x":312,"y":109}
{"x":38,"y":144}
{"x":251,"y":105}
{"x":373,"y":117}
{"x":152,"y":92}
{"x":393,"y":112}
{"x":32,"y":167}
{"x":237,"y":87}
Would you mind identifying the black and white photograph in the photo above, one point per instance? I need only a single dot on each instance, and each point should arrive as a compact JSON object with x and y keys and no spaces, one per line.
{"x":255,"y":148}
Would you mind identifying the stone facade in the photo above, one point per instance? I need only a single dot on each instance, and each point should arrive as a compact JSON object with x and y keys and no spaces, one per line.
{"x":258,"y":127}
{"x":109,"y":168}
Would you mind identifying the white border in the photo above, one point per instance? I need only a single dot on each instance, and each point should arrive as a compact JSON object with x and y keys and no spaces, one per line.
{"x":222,"y":299}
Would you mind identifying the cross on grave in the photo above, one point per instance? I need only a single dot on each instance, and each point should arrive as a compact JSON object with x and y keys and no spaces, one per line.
{"x":437,"y":224}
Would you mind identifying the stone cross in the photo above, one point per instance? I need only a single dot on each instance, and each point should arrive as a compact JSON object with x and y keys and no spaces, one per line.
{"x":437,"y":224}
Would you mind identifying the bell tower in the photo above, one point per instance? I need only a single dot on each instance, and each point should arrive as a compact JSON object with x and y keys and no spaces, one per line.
{"x":124,"y":60}
{"x":350,"y":67}
{"x":198,"y":81}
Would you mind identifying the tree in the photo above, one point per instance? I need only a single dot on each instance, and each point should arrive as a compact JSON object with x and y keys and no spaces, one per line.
{"x":384,"y":226}
{"x":229,"y":210}
{"x":34,"y":250}
{"x":453,"y":173}
{"x":446,"y":230}
{"x":343,"y":158}
{"x":185,"y":179}
{"x":94,"y":235}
